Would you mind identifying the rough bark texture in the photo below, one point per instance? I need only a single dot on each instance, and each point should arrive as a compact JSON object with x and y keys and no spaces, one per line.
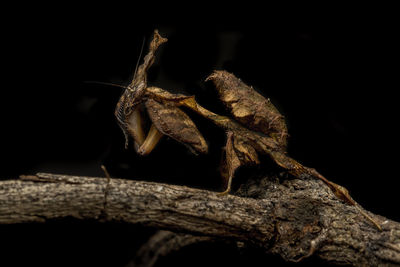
{"x":293,"y":218}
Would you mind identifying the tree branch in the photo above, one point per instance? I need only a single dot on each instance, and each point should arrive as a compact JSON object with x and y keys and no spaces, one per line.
{"x":294,"y":218}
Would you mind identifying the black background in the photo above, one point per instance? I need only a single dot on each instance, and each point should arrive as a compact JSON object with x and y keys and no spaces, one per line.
{"x":332,"y":72}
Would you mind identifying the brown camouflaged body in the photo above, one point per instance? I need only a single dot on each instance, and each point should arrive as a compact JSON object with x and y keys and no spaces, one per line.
{"x":173,"y":122}
{"x":249,"y":107}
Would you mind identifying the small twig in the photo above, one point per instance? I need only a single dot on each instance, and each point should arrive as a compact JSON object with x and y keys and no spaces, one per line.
{"x":162,"y":244}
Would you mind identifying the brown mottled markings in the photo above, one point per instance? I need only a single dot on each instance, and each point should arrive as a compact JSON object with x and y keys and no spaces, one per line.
{"x":249,"y":107}
{"x":173,"y":122}
{"x":260,"y":127}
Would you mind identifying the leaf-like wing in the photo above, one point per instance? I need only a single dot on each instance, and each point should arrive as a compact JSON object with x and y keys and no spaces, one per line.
{"x":173,"y":122}
{"x":237,"y":153}
{"x":246,"y":153}
{"x":230,"y":163}
{"x":249,"y":107}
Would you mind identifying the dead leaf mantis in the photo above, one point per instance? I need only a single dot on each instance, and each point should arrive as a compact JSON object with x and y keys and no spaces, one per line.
{"x":257,"y":127}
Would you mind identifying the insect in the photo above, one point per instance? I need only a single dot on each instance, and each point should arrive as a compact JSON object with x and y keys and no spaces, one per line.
{"x":127,"y":111}
{"x":257,"y":127}
{"x":167,"y":118}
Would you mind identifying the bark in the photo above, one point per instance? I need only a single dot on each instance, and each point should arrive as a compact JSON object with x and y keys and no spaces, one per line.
{"x":294,"y":218}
